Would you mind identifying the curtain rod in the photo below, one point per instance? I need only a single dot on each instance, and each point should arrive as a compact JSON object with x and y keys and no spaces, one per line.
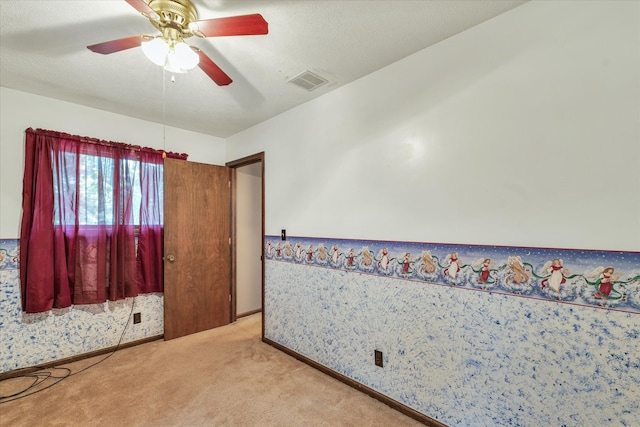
{"x":96,"y":141}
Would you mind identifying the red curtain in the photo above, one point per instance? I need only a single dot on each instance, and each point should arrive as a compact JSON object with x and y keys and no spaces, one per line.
{"x":77,"y":238}
{"x":150,"y":238}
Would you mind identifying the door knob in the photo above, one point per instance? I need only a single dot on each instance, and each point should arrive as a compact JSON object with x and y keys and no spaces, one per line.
{"x":170,"y":258}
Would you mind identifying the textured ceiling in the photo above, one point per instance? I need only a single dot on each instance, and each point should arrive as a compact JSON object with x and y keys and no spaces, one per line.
{"x":43,"y":51}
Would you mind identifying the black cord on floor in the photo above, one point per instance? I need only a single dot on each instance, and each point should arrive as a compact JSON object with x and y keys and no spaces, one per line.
{"x":43,"y":375}
{"x":39,"y":378}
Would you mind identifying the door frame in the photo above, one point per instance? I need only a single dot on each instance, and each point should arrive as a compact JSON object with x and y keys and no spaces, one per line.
{"x":234,"y":165}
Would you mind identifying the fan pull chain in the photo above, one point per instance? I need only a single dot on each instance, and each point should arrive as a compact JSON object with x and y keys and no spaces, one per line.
{"x":164,"y":109}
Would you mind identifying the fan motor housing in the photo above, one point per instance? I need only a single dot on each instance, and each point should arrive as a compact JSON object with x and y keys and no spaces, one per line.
{"x":175,"y":14}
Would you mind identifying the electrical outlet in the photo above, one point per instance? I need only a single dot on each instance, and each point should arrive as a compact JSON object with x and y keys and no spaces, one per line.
{"x":377,"y":357}
{"x":137,"y":318}
{"x":283,"y":234}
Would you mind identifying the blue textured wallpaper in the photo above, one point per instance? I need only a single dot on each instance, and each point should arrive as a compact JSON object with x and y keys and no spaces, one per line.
{"x":31,"y":339}
{"x":461,"y":351}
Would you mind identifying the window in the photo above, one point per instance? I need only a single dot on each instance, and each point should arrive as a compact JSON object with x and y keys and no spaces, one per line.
{"x":92,"y":210}
{"x":84,"y":200}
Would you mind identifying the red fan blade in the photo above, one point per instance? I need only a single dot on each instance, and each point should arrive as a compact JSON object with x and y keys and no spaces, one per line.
{"x":116,"y":45}
{"x":245,"y":25}
{"x":142,"y":7}
{"x":212,"y":70}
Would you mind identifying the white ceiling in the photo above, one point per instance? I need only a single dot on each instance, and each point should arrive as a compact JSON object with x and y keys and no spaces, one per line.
{"x":43,"y":51}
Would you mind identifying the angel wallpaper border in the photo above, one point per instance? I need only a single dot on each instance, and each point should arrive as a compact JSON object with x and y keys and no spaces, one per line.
{"x":600,"y":279}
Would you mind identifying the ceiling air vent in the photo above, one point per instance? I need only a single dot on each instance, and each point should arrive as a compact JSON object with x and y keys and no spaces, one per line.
{"x":308,"y":80}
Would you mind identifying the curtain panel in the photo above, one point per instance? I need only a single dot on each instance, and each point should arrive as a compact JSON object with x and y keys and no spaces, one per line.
{"x":77,"y":236}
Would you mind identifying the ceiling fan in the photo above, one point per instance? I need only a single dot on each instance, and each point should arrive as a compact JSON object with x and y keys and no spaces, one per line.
{"x":177,"y":20}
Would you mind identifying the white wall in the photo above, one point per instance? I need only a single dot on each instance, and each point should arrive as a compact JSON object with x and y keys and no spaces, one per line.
{"x":20,"y":110}
{"x":249,"y":238}
{"x":521,"y":131}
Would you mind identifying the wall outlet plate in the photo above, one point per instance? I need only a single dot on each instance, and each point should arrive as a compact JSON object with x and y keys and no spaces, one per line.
{"x":377,"y":357}
{"x":137,"y":318}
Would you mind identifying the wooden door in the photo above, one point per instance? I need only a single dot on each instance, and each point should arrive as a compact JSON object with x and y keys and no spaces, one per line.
{"x":197,"y":249}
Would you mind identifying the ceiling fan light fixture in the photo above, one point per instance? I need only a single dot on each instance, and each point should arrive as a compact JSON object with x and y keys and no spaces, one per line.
{"x":181,"y":58}
{"x":185,"y":56}
{"x":173,"y":65}
{"x":156,"y":50}
{"x":176,"y":59}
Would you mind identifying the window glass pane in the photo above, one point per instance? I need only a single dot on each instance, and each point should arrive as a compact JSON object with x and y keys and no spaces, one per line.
{"x":95,"y":180}
{"x":137,"y":193}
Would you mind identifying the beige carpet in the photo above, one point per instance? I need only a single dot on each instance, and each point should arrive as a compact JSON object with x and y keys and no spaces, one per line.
{"x":221,"y":377}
